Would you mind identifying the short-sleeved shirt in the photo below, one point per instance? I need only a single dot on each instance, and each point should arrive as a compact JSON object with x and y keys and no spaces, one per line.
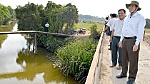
{"x":110,"y":23}
{"x":117,"y":26}
{"x":46,"y":25}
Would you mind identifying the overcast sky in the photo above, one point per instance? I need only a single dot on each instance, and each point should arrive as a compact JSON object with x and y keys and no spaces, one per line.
{"x":100,"y":8}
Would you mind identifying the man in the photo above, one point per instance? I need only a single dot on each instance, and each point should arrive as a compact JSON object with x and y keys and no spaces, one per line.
{"x":132,"y":35}
{"x":115,"y":38}
{"x":46,"y":27}
{"x":110,"y":24}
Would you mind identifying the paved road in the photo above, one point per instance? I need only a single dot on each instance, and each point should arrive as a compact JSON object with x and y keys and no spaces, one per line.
{"x":108,"y":74}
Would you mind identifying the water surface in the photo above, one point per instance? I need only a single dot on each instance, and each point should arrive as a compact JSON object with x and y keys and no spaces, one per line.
{"x":19,"y":65}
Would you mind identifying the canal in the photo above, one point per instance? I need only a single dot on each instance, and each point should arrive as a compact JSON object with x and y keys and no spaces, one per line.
{"x":19,"y":65}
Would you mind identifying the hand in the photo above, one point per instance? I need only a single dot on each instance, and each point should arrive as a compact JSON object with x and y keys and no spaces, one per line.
{"x":103,"y":31}
{"x":135,"y":48}
{"x":120,"y":44}
{"x":110,"y":40}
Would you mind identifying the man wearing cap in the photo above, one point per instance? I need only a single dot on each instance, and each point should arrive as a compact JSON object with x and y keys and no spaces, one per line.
{"x":132,"y":35}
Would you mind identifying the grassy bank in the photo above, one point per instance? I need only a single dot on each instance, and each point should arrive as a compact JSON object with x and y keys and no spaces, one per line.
{"x":6,"y":28}
{"x":88,"y":25}
{"x":75,"y":58}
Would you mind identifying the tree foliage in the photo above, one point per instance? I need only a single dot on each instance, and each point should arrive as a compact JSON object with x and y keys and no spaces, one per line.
{"x":6,"y":14}
{"x":33,"y":17}
{"x":90,"y":18}
{"x":94,"y":33}
{"x":147,"y":23}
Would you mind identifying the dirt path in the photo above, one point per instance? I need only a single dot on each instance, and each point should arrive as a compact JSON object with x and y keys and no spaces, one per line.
{"x":80,"y":36}
{"x":108,"y":75}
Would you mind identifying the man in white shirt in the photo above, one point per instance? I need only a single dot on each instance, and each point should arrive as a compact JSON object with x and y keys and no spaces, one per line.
{"x":110,"y":24}
{"x":132,"y":35}
{"x":115,"y":38}
{"x":46,"y":27}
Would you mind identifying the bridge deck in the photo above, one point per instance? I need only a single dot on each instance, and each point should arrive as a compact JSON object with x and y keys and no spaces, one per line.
{"x":108,"y":75}
{"x":41,"y":32}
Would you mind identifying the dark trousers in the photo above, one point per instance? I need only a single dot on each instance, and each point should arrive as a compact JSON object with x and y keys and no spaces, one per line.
{"x":110,"y":42}
{"x":129,"y":57}
{"x":46,"y":29}
{"x":115,"y":49}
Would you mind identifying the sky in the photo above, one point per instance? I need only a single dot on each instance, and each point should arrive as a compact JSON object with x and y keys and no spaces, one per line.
{"x":100,"y":8}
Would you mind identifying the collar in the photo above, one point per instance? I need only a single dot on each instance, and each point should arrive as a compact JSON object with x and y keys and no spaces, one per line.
{"x":134,"y":14}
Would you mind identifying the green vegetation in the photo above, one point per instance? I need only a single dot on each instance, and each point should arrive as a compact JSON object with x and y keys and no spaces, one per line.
{"x":147,"y":26}
{"x":89,"y":18}
{"x":88,"y":25}
{"x":34,"y":17}
{"x":94,"y":33}
{"x":7,"y":28}
{"x":2,"y":38}
{"x":75,"y":58}
{"x":147,"y":23}
{"x":6,"y":14}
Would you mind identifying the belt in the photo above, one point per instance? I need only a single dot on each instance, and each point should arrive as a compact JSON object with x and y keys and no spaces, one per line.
{"x":117,"y":36}
{"x":134,"y":37}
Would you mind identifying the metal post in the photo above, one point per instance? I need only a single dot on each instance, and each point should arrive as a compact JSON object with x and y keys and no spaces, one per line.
{"x":35,"y":44}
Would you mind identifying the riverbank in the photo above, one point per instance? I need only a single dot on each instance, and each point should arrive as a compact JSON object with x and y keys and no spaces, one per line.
{"x":8,"y":27}
{"x":19,"y":65}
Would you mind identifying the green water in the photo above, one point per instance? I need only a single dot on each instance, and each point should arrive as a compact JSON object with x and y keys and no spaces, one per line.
{"x":19,"y":65}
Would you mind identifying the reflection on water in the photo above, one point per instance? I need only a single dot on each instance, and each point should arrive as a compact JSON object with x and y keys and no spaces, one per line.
{"x":7,"y":28}
{"x":20,"y":66}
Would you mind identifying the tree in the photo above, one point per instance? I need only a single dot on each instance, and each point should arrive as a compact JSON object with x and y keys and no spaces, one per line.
{"x":71,"y":16}
{"x":147,"y":23}
{"x":34,"y":17}
{"x":6,"y":14}
{"x":29,"y":17}
{"x":94,"y":33}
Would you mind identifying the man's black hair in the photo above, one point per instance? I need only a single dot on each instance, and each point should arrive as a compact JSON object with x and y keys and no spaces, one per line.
{"x":122,"y":10}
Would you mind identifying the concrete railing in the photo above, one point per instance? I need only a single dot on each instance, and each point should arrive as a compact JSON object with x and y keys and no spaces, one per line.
{"x":94,"y":72}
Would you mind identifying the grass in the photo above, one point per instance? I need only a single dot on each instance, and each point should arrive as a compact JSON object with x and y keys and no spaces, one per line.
{"x":75,"y":58}
{"x":7,"y":27}
{"x":88,"y":25}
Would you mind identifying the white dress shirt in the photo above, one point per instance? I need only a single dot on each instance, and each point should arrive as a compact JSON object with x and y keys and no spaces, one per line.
{"x":134,"y":26}
{"x":110,"y":23}
{"x":46,"y":25}
{"x":117,"y":26}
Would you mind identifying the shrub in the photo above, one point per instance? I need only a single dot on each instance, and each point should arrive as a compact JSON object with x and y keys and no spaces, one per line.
{"x":75,"y":58}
